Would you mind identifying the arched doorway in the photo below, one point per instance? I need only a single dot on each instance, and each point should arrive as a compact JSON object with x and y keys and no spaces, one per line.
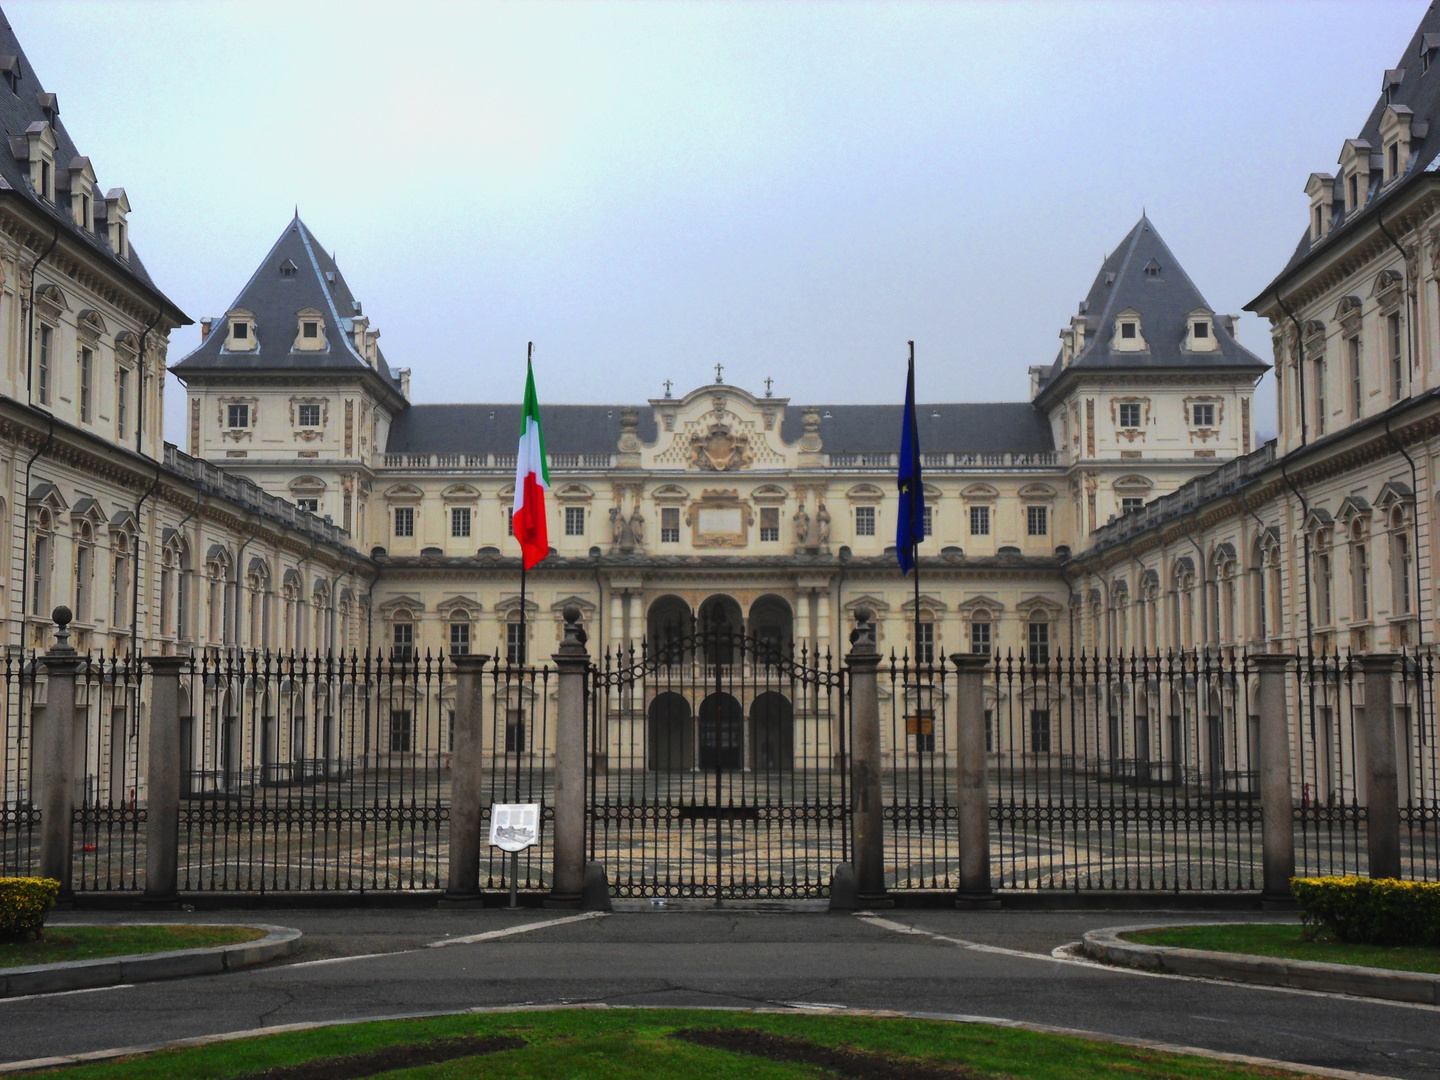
{"x":722,"y":732}
{"x":722,"y":625}
{"x":772,"y":627}
{"x":772,"y":723}
{"x":670,"y":624}
{"x":669,"y":738}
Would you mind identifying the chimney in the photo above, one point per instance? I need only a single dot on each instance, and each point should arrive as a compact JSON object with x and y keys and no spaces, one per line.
{"x":205,"y":325}
{"x":403,"y":374}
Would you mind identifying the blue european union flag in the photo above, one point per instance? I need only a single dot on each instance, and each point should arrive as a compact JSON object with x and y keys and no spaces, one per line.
{"x":910,"y":522}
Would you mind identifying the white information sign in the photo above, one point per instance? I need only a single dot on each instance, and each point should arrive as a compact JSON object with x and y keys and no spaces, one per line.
{"x":514,"y":826}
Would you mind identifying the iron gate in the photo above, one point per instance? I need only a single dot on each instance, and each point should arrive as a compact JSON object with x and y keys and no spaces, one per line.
{"x":717,"y":767}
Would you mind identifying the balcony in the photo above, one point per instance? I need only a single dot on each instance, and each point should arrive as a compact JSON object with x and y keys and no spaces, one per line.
{"x":945,"y":460}
{"x":474,"y":462}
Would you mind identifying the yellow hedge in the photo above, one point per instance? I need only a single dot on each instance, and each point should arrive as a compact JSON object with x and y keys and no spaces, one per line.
{"x":24,"y":903}
{"x":1376,"y":911}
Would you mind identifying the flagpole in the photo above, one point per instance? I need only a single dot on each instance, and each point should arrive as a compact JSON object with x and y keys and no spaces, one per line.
{"x":914,"y":538}
{"x":524,"y":629}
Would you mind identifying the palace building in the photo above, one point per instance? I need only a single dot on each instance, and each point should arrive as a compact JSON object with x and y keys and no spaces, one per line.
{"x":719,"y":506}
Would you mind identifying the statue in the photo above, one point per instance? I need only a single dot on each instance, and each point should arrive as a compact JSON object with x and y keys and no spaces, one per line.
{"x":802,"y":526}
{"x":637,"y":527}
{"x":822,"y":526}
{"x":617,"y":526}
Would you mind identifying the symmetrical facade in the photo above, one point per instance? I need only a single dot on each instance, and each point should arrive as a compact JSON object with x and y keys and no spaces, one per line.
{"x":719,"y":506}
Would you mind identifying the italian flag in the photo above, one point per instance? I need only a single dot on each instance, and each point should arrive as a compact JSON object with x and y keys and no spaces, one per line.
{"x":532,"y":477}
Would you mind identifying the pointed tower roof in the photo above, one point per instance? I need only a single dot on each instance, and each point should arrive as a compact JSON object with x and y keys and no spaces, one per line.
{"x":1143,"y":276}
{"x":296,"y":275}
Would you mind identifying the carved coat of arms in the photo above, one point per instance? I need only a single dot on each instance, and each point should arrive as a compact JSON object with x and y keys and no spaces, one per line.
{"x":719,"y":450}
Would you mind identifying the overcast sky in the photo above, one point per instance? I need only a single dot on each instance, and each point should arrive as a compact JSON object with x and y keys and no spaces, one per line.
{"x":792,"y":190}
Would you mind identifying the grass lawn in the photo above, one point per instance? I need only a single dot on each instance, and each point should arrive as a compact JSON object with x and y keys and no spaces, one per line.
{"x":60,"y":943}
{"x":1284,"y":940}
{"x":625,"y":1043}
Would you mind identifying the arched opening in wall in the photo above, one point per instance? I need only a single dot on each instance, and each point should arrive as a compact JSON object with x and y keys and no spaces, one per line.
{"x":670,"y":624}
{"x":772,"y":625}
{"x":187,"y":741}
{"x":722,"y":732}
{"x":669,"y":735}
{"x":721,"y":623}
{"x":1215,"y":742}
{"x":772,"y":720}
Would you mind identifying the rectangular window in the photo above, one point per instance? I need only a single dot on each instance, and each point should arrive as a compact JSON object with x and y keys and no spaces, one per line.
{"x":122,"y":394}
{"x":979,"y":521}
{"x":514,"y":643}
{"x":1202,"y":330}
{"x":1131,"y":505}
{"x":1319,"y":395}
{"x":921,"y":725}
{"x":1357,"y":384}
{"x":1039,"y":643}
{"x":459,"y":639}
{"x":42,"y":370}
{"x":460,"y":521}
{"x":1362,"y":582}
{"x":311,"y":330}
{"x":865,"y":521}
{"x":402,"y":636}
{"x":769,"y":524}
{"x":308,"y":415}
{"x":929,"y":521}
{"x":925,"y":643}
{"x":1202,"y":414}
{"x":238,"y":416}
{"x":1402,"y":571}
{"x":121,"y":584}
{"x":87,"y":373}
{"x":515,"y":731}
{"x":309,"y":505}
{"x":574,"y":521}
{"x":670,"y":525}
{"x":241,"y":331}
{"x":1127,"y":330}
{"x":1037,"y":520}
{"x":404,"y":521}
{"x":1040,"y":731}
{"x":980,"y":639}
{"x":399,"y":731}
{"x":1392,"y":337}
{"x":509,"y":523}
{"x":1130,"y":415}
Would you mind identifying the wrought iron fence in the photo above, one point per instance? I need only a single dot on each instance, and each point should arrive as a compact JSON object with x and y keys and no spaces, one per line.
{"x":718,"y":769}
{"x":519,"y":767}
{"x":19,"y":816}
{"x":918,"y":760}
{"x":109,"y":814}
{"x":1418,"y":768}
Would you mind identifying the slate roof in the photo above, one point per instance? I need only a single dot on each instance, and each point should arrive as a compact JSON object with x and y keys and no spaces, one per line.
{"x":275,"y":300}
{"x":493,"y":429}
{"x":20,"y":109}
{"x":1407,"y":84}
{"x":1143,"y":275}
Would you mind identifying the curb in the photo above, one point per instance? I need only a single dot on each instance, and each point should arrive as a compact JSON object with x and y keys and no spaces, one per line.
{"x":1412,"y":987}
{"x":147,"y":967}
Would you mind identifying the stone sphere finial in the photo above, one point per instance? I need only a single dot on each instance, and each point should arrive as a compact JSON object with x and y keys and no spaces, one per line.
{"x":62,"y":616}
{"x":571,"y":614}
{"x":863,"y":615}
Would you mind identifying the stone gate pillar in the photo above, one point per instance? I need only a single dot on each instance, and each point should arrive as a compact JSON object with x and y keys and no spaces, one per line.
{"x":1277,"y":804}
{"x":53,"y":734}
{"x":163,"y":780}
{"x":567,"y":882}
{"x":866,"y":794}
{"x":467,"y":800}
{"x":1382,"y":792}
{"x":972,"y":788}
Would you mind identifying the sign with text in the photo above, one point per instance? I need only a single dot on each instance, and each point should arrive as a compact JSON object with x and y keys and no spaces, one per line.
{"x":514,"y":826}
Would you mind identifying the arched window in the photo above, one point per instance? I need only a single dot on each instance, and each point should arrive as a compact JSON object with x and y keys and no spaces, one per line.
{"x":1324,"y":579}
{"x":402,"y":636}
{"x":1359,"y":571}
{"x":84,"y":572}
{"x":42,"y":554}
{"x":460,"y":637}
{"x":1402,"y":567}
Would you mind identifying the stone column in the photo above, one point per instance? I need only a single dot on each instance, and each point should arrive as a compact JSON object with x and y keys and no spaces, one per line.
{"x":54,"y":748}
{"x":466,"y":779}
{"x":163,"y":780}
{"x":1382,"y":794}
{"x":802,"y":622}
{"x":1277,"y":804}
{"x":567,"y":882}
{"x":972,"y":788}
{"x":866,"y":795}
{"x":617,"y":621}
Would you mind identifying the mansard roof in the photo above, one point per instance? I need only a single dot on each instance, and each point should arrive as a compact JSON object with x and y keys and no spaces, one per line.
{"x":296,"y":275}
{"x":1407,"y":86}
{"x":493,"y":429}
{"x":30,"y":104}
{"x":1143,"y":275}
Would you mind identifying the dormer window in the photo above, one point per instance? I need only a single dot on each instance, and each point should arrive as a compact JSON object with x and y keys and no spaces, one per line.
{"x":1152,"y":269}
{"x":310,"y":331}
{"x":39,"y":147}
{"x":1353,"y":194}
{"x":1127,"y":334}
{"x":10,"y":66}
{"x":1395,"y":133}
{"x":287,"y":269}
{"x":1201,"y":329}
{"x":1127,"y":330}
{"x":117,"y":206}
{"x":242,"y":331}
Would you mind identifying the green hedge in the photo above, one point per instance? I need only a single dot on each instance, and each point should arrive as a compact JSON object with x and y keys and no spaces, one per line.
{"x":24,"y":903}
{"x":1373,"y":911}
